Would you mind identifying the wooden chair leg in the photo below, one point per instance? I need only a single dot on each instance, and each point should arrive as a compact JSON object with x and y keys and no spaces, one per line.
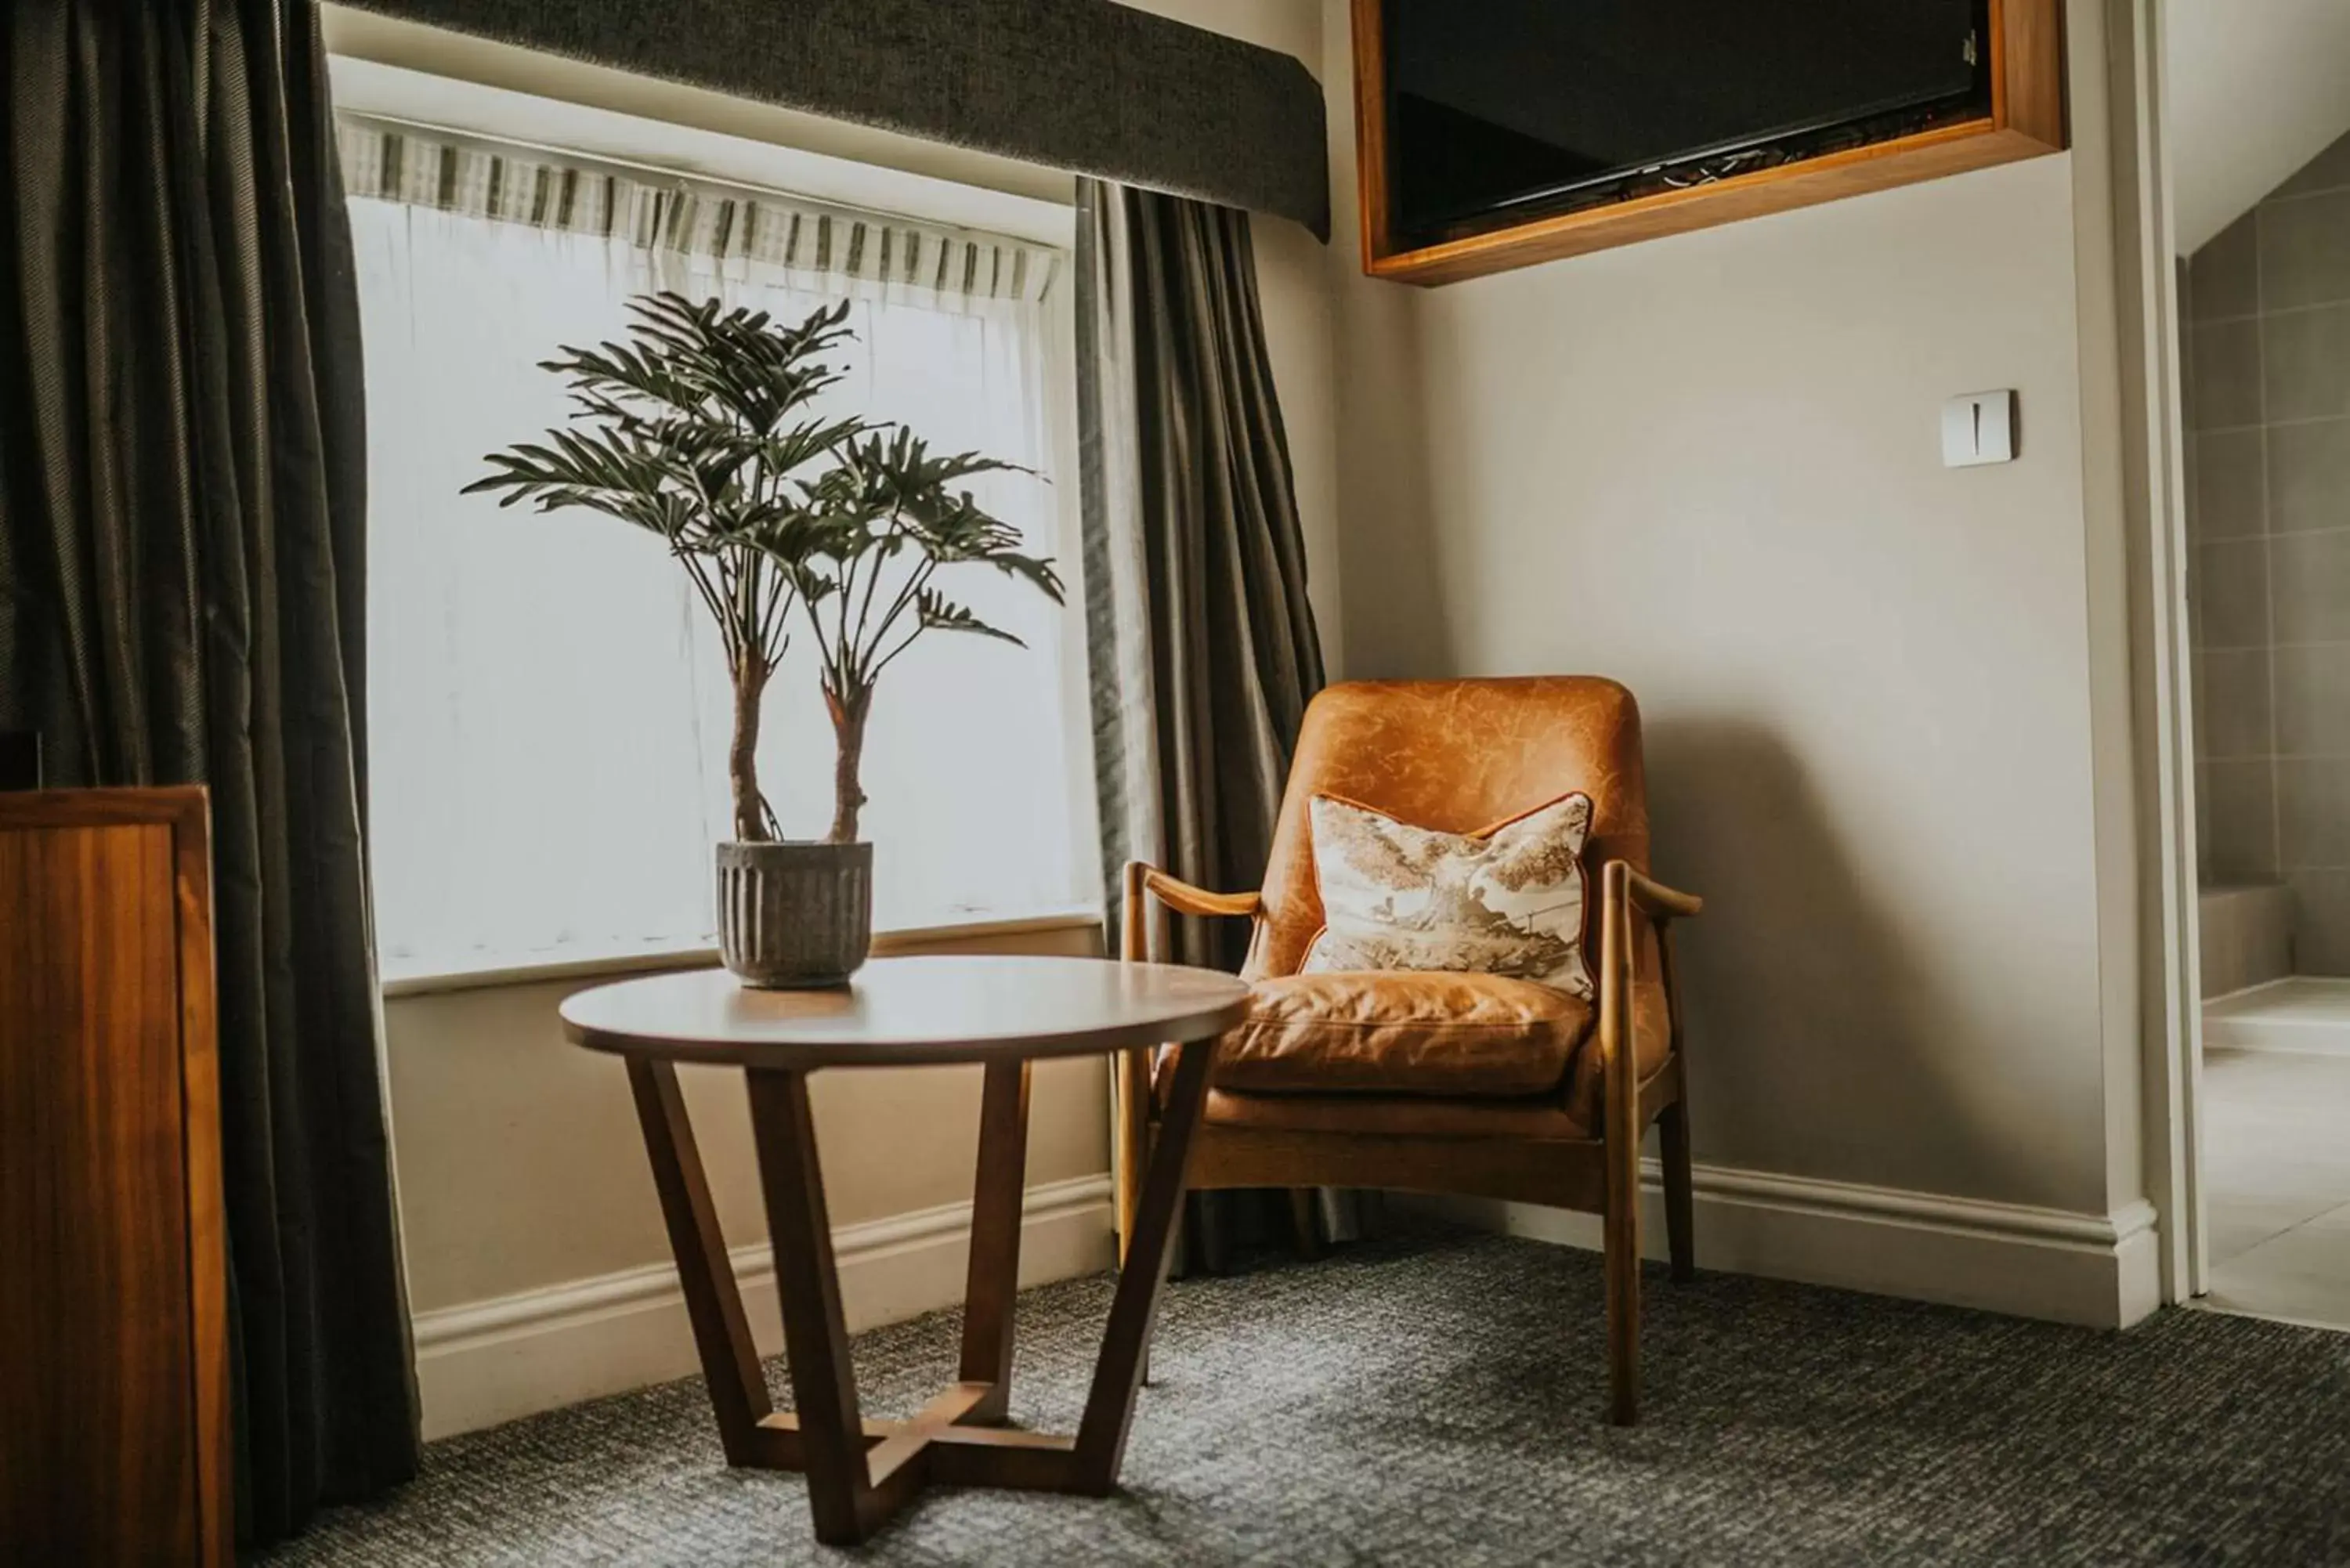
{"x":1621,"y":1225}
{"x":1673,"y":1141}
{"x":1305,"y":1234}
{"x":1622,"y":1142}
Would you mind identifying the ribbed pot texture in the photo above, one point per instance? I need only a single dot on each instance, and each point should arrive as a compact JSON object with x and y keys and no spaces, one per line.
{"x":794,"y":917}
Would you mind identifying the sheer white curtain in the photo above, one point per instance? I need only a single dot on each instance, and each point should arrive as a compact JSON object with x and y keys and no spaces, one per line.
{"x":548,"y":709}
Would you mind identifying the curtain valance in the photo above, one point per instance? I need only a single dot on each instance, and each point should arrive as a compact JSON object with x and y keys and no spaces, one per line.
{"x":1088,"y":85}
{"x":391,"y":160}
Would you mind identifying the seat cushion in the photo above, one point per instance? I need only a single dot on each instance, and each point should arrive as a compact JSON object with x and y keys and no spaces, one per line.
{"x":1455,"y":1035}
{"x":1574,"y":1115}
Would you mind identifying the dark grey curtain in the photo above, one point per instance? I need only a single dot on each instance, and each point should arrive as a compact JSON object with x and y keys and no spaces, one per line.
{"x":1201,"y":644}
{"x":1195,"y":563}
{"x":183,"y":505}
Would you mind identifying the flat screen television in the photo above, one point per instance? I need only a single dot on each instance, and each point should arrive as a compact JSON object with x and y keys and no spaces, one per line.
{"x":1501,"y":112}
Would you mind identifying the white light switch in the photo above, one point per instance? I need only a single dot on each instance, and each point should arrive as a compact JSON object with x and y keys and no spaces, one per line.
{"x":1979,"y":427}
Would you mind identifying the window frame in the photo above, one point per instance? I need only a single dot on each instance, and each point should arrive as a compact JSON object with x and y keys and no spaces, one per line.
{"x":457,"y":108}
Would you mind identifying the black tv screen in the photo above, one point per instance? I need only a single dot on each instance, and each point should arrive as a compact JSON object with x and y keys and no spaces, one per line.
{"x":1502,"y":110}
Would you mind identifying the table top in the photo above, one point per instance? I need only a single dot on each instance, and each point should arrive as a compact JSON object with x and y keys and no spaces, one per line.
{"x":910,"y":1011}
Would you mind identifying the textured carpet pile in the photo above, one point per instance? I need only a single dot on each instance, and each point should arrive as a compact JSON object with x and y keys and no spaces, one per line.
{"x":1436,"y":1399}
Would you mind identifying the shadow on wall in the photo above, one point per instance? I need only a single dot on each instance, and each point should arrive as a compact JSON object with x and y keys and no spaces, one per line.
{"x":1390,"y":571}
{"x":1823,"y":1042}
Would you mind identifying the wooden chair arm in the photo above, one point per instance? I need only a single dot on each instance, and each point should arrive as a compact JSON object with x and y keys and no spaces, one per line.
{"x":1626,"y":892}
{"x":1654,"y":900}
{"x":1185,"y":899}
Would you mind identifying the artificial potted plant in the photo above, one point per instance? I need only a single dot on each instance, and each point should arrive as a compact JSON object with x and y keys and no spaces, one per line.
{"x":885,"y":522}
{"x":700,"y":429}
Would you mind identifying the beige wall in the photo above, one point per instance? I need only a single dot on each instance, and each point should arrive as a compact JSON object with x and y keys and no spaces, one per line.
{"x":1884,"y":700}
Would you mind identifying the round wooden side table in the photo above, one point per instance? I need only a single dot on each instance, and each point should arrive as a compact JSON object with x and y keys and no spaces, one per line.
{"x":1002,"y":1013}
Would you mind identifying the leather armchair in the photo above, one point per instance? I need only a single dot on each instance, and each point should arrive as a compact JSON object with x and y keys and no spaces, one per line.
{"x":1456,"y":755}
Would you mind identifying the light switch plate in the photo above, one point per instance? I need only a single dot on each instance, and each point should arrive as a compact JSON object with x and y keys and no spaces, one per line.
{"x":1979,"y":427}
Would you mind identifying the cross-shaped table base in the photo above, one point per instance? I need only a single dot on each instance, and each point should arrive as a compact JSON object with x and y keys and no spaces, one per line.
{"x":860,"y":1472}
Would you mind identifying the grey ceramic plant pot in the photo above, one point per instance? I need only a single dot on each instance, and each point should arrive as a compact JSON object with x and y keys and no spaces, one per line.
{"x":794,"y":917}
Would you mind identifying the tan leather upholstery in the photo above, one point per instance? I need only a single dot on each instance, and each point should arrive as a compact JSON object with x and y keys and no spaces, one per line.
{"x":1477,"y":1036}
{"x":1652,"y":1046}
{"x":1346,"y":1085}
{"x":1575,"y":1114}
{"x":1458,"y":755}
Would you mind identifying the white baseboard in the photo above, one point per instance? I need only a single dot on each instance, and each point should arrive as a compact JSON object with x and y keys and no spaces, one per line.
{"x":487,"y":1362}
{"x":2095,"y":1269}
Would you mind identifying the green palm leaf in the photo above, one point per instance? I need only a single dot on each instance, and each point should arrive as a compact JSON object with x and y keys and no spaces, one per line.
{"x":939,"y":613}
{"x":699,"y":427}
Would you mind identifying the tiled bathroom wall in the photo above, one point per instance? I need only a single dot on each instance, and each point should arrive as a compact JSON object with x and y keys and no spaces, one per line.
{"x":2267,"y":360}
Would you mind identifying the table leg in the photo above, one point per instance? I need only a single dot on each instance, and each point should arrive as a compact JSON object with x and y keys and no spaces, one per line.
{"x":816,"y":1339}
{"x":859,"y":1472}
{"x":730,"y":1363}
{"x":995,"y":1276}
{"x":1117,"y":1375}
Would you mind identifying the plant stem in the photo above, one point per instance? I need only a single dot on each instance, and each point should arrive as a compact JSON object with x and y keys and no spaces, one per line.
{"x":751,"y":672}
{"x":849,"y":714}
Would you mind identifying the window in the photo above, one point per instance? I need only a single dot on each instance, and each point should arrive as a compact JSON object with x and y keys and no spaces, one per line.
{"x":548,"y":710}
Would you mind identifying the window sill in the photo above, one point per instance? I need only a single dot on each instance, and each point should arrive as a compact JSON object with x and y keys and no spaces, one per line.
{"x":420,"y":982}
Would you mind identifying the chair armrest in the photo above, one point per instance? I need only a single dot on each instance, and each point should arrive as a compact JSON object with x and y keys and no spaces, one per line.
{"x":1656,"y":900}
{"x":1185,"y":899}
{"x":1144,"y":880}
{"x":1624,"y":891}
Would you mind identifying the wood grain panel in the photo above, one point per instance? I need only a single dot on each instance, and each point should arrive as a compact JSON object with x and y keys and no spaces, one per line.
{"x":2027,"y":120}
{"x":114,"y":1414}
{"x":207,"y":1199}
{"x":98,"y":1397}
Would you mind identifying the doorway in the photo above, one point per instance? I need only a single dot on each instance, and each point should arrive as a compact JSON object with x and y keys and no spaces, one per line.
{"x":2262,"y":303}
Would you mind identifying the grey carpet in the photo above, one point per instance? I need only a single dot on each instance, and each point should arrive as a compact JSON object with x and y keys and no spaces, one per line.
{"x":1434,"y":1400}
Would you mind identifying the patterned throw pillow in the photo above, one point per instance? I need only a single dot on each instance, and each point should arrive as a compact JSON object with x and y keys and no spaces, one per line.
{"x":1508,"y":901}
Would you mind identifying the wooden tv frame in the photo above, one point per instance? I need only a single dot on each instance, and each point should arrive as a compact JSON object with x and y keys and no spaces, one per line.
{"x":2026,"y":120}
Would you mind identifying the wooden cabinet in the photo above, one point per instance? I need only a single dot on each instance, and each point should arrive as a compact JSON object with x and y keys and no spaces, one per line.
{"x":114,"y":1412}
